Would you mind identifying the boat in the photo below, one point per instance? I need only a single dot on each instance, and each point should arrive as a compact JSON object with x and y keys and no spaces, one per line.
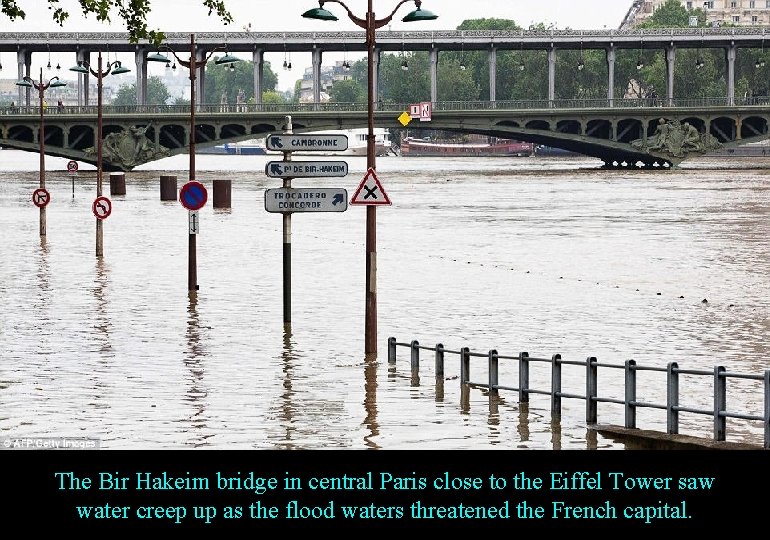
{"x":475,"y":148}
{"x":554,"y":151}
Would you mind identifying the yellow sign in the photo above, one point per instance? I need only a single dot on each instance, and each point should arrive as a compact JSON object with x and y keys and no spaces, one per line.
{"x":405,"y":118}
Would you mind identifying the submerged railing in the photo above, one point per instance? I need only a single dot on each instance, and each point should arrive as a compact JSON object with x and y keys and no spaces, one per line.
{"x":591,"y":365}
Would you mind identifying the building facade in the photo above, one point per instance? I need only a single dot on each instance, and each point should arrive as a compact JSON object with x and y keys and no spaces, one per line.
{"x":718,"y":12}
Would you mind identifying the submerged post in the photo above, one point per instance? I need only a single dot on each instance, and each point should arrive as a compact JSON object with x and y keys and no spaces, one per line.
{"x":672,"y":398}
{"x":524,"y":377}
{"x":391,"y":350}
{"x":630,"y":399}
{"x":556,"y":385}
{"x":493,"y":372}
{"x":720,"y":403}
{"x":591,"y":390}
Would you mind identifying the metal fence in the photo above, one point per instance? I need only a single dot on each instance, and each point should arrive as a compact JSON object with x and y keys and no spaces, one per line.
{"x":591,"y":365}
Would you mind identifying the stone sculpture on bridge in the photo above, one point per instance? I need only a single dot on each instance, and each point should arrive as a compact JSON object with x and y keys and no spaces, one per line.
{"x":129,"y":148}
{"x":677,"y":139}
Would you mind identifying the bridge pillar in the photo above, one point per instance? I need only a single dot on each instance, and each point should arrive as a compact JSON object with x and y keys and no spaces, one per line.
{"x":83,"y":56}
{"x":24,"y":59}
{"x":731,"y":51}
{"x":434,"y":75}
{"x":258,"y":56}
{"x":492,"y":74}
{"x":551,"y":75}
{"x":670,"y":62}
{"x":141,"y":75}
{"x":317,"y":57}
{"x":611,"y":75}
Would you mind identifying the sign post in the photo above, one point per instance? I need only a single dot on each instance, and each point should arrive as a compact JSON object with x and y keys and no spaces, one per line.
{"x":72,"y":167}
{"x":193,"y":196}
{"x":287,"y":200}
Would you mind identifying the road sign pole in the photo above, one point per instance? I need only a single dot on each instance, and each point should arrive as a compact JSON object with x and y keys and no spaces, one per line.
{"x":287,"y":241}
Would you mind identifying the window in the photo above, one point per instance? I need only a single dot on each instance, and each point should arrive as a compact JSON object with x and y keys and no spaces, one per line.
{"x":752,"y":4}
{"x":710,"y":4}
{"x":754,"y":19}
{"x":689,"y":6}
{"x":736,"y":18}
{"x":734,"y":4}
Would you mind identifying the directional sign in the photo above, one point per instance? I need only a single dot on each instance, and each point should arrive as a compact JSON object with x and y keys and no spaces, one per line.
{"x":422,"y":110}
{"x":195,"y":223}
{"x":370,"y":191}
{"x":193,"y":195}
{"x":102,"y":207}
{"x":72,"y":166}
{"x":283,"y":200}
{"x":307,"y":142}
{"x":41,"y":197}
{"x":305,"y":169}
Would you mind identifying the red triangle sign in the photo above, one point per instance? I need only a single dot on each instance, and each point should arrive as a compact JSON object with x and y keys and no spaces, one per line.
{"x":370,"y":191}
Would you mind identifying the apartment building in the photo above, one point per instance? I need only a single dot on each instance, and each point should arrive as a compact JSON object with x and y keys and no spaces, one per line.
{"x":718,"y":12}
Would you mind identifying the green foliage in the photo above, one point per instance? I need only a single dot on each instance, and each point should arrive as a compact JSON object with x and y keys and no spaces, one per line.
{"x":132,"y":12}
{"x":157,"y":93}
{"x":673,"y":14}
{"x":348,"y":91}
{"x":220,"y":78}
{"x":273,"y":98}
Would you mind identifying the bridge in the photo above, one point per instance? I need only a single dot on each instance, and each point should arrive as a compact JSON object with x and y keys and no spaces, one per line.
{"x":622,"y":133}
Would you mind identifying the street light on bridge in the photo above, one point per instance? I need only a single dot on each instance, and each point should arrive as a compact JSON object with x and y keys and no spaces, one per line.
{"x":193,"y":64}
{"x":370,"y":24}
{"x":41,"y":87}
{"x":114,"y":68}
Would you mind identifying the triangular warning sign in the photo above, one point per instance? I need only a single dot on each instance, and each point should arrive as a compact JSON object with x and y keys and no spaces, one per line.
{"x":370,"y":191}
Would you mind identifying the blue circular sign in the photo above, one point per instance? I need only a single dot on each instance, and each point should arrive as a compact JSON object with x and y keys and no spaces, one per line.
{"x":193,"y":195}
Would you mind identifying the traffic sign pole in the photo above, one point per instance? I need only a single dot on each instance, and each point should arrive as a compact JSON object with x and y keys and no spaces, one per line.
{"x":193,"y":196}
{"x":287,"y":239}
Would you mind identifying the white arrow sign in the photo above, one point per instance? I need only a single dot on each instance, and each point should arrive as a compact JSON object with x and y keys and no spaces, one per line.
{"x":306,"y":200}
{"x":307,"y":142}
{"x":195,"y":222}
{"x":305,"y":169}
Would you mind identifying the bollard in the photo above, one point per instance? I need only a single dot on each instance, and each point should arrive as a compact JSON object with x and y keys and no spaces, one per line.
{"x":222,"y":193}
{"x":720,"y":403}
{"x":439,"y":362}
{"x":523,"y":377}
{"x":556,"y":385}
{"x":672,"y":398}
{"x":493,"y":372}
{"x":591,"y":390}
{"x":391,"y":350}
{"x":630,"y":399}
{"x":168,"y":187}
{"x":117,"y":183}
{"x":415,"y":356}
{"x":465,"y":365}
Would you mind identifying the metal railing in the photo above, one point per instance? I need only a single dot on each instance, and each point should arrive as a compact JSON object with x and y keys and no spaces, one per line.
{"x":591,"y":365}
{"x":439,"y":106}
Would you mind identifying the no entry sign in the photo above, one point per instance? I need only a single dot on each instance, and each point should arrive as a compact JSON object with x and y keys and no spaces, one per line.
{"x":72,"y":166}
{"x":193,"y":195}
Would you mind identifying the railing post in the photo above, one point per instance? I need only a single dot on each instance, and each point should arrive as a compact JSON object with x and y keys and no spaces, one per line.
{"x":493,"y":380}
{"x":391,"y":350}
{"x":556,"y":385}
{"x":465,"y":365}
{"x":672,"y":398}
{"x":439,"y":360}
{"x":767,"y":409}
{"x":630,"y":401}
{"x":523,"y":377}
{"x":591,"y":389}
{"x":720,"y":404}
{"x":415,"y":356}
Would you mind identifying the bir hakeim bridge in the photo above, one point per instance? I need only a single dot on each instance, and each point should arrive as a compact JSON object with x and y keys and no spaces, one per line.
{"x":621,"y":132}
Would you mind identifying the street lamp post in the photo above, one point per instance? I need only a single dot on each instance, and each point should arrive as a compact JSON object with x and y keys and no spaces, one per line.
{"x":115,"y":68}
{"x":41,"y":87}
{"x":193,"y":64}
{"x":370,"y":24}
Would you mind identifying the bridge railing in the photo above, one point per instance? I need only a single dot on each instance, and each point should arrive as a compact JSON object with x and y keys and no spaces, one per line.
{"x":529,"y":104}
{"x":673,"y":377}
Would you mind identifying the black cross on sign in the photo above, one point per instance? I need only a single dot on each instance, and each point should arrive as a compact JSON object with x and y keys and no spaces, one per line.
{"x":370,"y":192}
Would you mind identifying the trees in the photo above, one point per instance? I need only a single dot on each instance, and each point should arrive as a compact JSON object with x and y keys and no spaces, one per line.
{"x":157,"y":93}
{"x":222,"y":79}
{"x":133,"y":12}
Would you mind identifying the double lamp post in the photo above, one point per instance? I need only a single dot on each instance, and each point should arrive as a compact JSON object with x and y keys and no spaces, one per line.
{"x":370,"y":23}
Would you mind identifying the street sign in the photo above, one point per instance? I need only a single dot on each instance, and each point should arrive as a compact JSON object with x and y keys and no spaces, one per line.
{"x":193,"y":195}
{"x":305,"y":169}
{"x":102,"y":207}
{"x":41,"y":197}
{"x":282,"y":200}
{"x":307,"y":142}
{"x":405,"y":118}
{"x":422,"y":110}
{"x":370,"y":192}
{"x":195,"y":223}
{"x":72,"y":166}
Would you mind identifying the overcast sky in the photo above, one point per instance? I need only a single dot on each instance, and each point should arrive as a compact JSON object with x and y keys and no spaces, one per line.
{"x":286,"y":15}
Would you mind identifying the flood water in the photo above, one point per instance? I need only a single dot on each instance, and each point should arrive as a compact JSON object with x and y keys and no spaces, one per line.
{"x":540,"y":255}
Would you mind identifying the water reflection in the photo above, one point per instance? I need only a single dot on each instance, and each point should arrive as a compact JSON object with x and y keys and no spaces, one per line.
{"x":197,"y":393}
{"x":288,"y":361}
{"x":370,"y":401}
{"x":103,"y":321}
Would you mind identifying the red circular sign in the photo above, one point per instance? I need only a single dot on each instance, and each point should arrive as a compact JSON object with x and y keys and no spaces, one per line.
{"x":72,"y":166}
{"x":193,"y":195}
{"x":41,"y":197}
{"x":102,"y":207}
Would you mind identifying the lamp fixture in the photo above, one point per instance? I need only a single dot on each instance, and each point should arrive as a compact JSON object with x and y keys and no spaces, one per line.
{"x":639,"y":63}
{"x":581,"y":64}
{"x":405,"y":65}
{"x":462,"y":52}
